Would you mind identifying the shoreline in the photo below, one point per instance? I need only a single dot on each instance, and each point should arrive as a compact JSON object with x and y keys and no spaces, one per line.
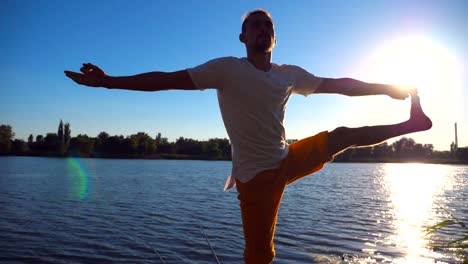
{"x":442,"y":161}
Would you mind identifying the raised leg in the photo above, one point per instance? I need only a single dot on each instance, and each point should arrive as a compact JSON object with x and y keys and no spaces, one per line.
{"x":343,"y":137}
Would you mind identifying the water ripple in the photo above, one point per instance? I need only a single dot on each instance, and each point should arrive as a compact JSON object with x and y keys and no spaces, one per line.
{"x":137,"y":209}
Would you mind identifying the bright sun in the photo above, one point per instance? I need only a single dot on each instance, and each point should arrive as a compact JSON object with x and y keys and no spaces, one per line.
{"x":422,"y":62}
{"x":416,"y":61}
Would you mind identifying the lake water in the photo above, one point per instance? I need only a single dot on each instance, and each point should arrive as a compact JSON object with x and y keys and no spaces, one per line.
{"x":154,"y":211}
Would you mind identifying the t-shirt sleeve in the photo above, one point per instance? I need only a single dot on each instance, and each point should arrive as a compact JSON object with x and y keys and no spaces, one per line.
{"x":305,"y":82}
{"x":210,"y":74}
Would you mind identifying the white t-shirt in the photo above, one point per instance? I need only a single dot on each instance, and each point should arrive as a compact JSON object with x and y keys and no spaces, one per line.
{"x":253,"y":103}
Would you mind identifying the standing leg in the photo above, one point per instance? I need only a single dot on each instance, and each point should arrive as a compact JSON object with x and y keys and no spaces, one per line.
{"x":259,"y":201}
{"x":342,"y":138}
{"x":260,"y":198}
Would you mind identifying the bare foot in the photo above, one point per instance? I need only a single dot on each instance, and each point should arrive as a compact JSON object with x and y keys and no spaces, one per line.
{"x":418,"y":121}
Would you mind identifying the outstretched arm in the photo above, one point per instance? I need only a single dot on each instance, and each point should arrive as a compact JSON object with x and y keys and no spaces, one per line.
{"x":352,"y":87}
{"x":92,"y":75}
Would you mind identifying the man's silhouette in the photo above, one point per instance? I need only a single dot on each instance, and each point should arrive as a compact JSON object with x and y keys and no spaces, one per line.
{"x":252,"y":94}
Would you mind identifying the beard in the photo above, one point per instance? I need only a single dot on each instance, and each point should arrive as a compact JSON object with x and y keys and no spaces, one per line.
{"x":264,"y":43}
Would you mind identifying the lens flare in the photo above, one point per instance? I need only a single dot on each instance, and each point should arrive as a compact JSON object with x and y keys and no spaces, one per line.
{"x":79,"y":176}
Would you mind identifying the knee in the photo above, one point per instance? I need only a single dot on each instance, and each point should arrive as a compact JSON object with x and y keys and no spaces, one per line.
{"x":339,"y":140}
{"x":340,"y":131}
{"x":348,"y":134}
{"x":341,"y":134}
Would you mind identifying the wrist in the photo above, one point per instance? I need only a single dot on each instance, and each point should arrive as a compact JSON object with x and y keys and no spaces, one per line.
{"x":388,"y":89}
{"x":106,"y":82}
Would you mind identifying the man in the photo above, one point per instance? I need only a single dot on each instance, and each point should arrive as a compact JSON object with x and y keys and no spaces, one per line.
{"x":252,"y":94}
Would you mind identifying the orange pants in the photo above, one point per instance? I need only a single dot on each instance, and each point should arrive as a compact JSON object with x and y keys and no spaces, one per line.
{"x":260,"y":197}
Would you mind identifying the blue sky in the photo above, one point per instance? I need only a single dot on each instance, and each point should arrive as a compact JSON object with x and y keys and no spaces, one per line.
{"x":40,"y":39}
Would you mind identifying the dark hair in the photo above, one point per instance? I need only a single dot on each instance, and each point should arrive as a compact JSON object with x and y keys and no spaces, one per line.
{"x":254,"y":12}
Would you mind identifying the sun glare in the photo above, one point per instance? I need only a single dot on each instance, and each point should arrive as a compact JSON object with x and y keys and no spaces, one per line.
{"x":416,"y":61}
{"x":413,"y":190}
{"x":428,"y":65}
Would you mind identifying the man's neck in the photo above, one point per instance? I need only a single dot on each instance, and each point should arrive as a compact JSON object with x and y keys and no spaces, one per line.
{"x":261,"y":61}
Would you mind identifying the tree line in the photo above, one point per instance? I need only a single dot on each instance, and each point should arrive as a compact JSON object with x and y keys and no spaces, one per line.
{"x":142,"y":145}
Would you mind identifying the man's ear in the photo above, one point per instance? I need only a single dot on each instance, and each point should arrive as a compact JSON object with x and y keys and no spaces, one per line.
{"x":242,"y":38}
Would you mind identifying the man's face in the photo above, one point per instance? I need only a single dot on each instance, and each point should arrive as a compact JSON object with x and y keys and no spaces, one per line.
{"x":259,"y":33}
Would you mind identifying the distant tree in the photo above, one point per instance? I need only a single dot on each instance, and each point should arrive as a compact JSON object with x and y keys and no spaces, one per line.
{"x":40,"y":138}
{"x":418,"y":152}
{"x":382,"y":151}
{"x":6,"y":135}
{"x":67,"y":137}
{"x":408,"y":149}
{"x":225,"y":146}
{"x":445,"y":155}
{"x":397,"y":146}
{"x":61,"y":139}
{"x":103,"y":136}
{"x":462,"y":155}
{"x":100,"y":145}
{"x":81,"y":145}
{"x":404,"y":148}
{"x":129,"y":146}
{"x":19,"y":147}
{"x":51,"y":143}
{"x":188,"y":146}
{"x":63,"y":134}
{"x":344,"y":156}
{"x":31,"y":143}
{"x":210,"y":149}
{"x":217,"y":148}
{"x":39,"y":144}
{"x":362,"y":153}
{"x":164,"y":146}
{"x":115,"y":145}
{"x":158,"y":138}
{"x":428,"y":150}
{"x":453,"y":149}
{"x":145,"y":145}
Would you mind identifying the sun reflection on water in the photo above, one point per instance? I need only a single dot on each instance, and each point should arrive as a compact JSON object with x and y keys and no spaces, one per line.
{"x":413,"y":190}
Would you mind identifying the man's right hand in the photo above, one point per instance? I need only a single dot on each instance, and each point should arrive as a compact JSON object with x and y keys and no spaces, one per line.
{"x":91,"y":75}
{"x":401,"y":92}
